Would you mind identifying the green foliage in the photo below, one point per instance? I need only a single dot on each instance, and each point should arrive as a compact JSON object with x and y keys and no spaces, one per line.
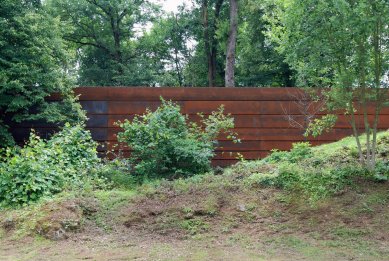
{"x":321,"y":182}
{"x":30,"y":173}
{"x":330,"y":43}
{"x":6,"y":138}
{"x":42,"y":168}
{"x":195,"y":226}
{"x":165,"y":145}
{"x":259,"y":63}
{"x":33,"y":65}
{"x":173,"y":52}
{"x":381,"y":172}
{"x":106,"y":33}
{"x":285,"y":176}
{"x":315,"y":172}
{"x":318,"y":126}
{"x":314,"y":182}
{"x":340,"y":44}
{"x":262,"y":179}
{"x":117,"y":173}
{"x":300,"y":150}
{"x":167,"y":48}
{"x":78,"y":150}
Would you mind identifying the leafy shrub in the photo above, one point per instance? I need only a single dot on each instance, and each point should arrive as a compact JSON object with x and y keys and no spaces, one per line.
{"x":320,"y":125}
{"x":382,"y":171}
{"x":314,"y":174}
{"x":30,"y":173}
{"x":78,"y":151}
{"x":117,"y":173}
{"x":165,"y":144}
{"x":42,"y":168}
{"x":300,"y":151}
{"x":312,"y":181}
{"x":319,"y":183}
{"x":284,"y":176}
{"x":262,"y":179}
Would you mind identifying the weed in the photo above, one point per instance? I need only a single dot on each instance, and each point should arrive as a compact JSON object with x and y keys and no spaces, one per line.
{"x":195,"y":226}
{"x":349,"y":233}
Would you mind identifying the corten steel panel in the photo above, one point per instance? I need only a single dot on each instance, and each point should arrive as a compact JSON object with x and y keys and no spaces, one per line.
{"x":193,"y":107}
{"x":266,"y":121}
{"x":233,"y":107}
{"x":95,"y":107}
{"x":248,"y":145}
{"x":259,"y":115}
{"x":257,"y":107}
{"x":97,"y":120}
{"x":133,"y":107}
{"x":92,"y":93}
{"x":197,"y":94}
{"x":99,"y":134}
{"x":267,"y":134}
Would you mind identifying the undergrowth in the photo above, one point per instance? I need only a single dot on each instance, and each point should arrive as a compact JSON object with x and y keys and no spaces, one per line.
{"x":305,"y":174}
{"x":316,"y":172}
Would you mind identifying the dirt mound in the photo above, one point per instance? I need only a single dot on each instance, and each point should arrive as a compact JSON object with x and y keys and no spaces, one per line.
{"x":53,"y":220}
{"x":257,"y":212}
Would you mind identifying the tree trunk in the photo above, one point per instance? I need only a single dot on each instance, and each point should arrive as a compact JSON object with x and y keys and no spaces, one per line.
{"x":231,"y":45}
{"x":214,"y":50}
{"x":176,"y":57}
{"x":207,"y":46}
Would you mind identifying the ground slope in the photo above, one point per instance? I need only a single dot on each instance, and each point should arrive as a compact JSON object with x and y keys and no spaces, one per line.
{"x":207,"y":217}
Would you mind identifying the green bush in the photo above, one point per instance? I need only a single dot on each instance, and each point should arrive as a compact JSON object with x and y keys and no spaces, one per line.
{"x":314,"y":174}
{"x":262,"y":179}
{"x":285,"y":175}
{"x":322,"y":182}
{"x":30,"y":173}
{"x":166,"y":145}
{"x":42,"y":168}
{"x":300,"y":151}
{"x":78,"y":151}
{"x":117,"y":173}
{"x":382,"y":171}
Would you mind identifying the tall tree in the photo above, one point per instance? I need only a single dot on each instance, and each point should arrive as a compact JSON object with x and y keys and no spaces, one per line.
{"x":231,"y":45}
{"x":209,"y":35}
{"x":106,"y":34}
{"x":341,"y":44}
{"x":168,"y":47}
{"x":257,"y":61}
{"x":33,"y":64}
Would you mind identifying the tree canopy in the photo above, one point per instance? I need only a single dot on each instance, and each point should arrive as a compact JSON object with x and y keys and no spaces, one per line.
{"x":136,"y":43}
{"x":342,"y":44}
{"x":34,"y":63}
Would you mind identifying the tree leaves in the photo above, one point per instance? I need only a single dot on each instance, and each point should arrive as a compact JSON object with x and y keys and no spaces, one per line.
{"x":31,"y":63}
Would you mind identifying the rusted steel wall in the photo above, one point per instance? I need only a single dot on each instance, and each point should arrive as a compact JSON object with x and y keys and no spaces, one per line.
{"x":259,"y":114}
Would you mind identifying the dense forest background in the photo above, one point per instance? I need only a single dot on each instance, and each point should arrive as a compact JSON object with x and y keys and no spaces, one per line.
{"x":49,"y":46}
{"x":137,"y":43}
